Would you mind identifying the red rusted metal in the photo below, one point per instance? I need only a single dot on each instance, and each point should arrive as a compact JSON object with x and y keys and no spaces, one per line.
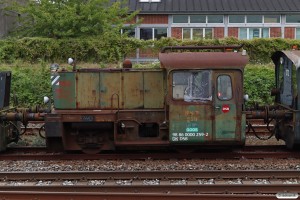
{"x":209,"y":60}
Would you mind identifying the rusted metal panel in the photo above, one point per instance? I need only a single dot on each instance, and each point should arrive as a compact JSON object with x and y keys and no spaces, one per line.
{"x":190,"y":123}
{"x":133,"y":90}
{"x":154,"y":89}
{"x":203,"y":60}
{"x":110,"y":90}
{"x":63,"y":87}
{"x":88,"y":90}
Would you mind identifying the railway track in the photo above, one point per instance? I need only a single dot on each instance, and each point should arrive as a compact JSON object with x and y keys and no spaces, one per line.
{"x":146,"y":184}
{"x":133,"y":196}
{"x":247,"y":152}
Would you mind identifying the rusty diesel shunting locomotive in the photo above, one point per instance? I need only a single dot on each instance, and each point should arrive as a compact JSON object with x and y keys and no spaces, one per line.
{"x":194,"y":100}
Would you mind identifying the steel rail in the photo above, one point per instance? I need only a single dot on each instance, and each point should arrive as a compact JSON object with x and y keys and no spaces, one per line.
{"x":25,"y":195}
{"x":249,"y":152}
{"x":169,"y":182}
{"x":138,"y":175}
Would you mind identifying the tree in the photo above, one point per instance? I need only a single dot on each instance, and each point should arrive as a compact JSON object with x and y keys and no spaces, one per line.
{"x":71,"y":18}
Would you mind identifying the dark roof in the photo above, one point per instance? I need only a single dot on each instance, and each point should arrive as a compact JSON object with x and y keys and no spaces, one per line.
{"x":216,"y":6}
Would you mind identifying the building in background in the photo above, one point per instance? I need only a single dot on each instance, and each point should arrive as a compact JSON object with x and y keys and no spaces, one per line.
{"x":206,"y":19}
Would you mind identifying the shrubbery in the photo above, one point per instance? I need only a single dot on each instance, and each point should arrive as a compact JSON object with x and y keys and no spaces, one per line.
{"x":98,"y":50}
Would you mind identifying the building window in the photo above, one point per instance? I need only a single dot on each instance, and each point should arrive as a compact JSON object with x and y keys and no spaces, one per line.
{"x":198,"y":19}
{"x":236,"y":18}
{"x":297,"y":33}
{"x":254,"y":18}
{"x":240,"y":19}
{"x":250,"y":33}
{"x":129,"y":31}
{"x":293,"y":19}
{"x":197,"y":33}
{"x":215,"y":19}
{"x":180,"y":19}
{"x":152,"y":33}
{"x":271,"y":18}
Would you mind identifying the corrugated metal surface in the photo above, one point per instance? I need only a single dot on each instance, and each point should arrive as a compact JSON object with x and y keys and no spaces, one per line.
{"x":215,"y":6}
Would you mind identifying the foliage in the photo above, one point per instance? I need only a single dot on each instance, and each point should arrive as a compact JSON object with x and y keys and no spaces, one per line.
{"x":113,"y":50}
{"x":258,"y":82}
{"x":29,"y":83}
{"x":70,"y":18}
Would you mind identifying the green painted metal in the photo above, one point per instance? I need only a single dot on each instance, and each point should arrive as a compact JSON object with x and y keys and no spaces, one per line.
{"x":226,"y":113}
{"x":154,"y":89}
{"x":190,"y":123}
{"x":88,"y":90}
{"x":63,"y":87}
{"x":214,"y":118}
{"x":133,"y":89}
{"x":110,"y":90}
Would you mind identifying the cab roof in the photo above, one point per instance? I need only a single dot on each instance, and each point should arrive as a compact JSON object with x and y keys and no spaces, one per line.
{"x":204,"y":60}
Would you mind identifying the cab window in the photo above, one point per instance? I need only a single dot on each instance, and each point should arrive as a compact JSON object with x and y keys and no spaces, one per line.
{"x":224,"y":87}
{"x":192,"y":86}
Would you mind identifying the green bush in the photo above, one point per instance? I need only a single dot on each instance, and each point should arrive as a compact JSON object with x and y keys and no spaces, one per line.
{"x":258,"y":82}
{"x":99,"y":50}
{"x":29,"y":84}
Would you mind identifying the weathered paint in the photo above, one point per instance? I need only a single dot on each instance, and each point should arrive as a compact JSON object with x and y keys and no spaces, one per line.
{"x":226,"y":114}
{"x":110,"y":90}
{"x":154,"y":89}
{"x":133,"y":89}
{"x":190,"y":123}
{"x":87,"y":90}
{"x":197,"y":60}
{"x":64,"y":93}
{"x":211,"y":120}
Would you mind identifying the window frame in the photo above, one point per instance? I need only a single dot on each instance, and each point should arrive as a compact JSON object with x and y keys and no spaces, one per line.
{"x":292,"y":22}
{"x":218,"y":88}
{"x":191,"y":31}
{"x":261,"y":31}
{"x":185,"y":85}
{"x":152,"y":32}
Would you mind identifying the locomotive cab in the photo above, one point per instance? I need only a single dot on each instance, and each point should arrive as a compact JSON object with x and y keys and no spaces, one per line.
{"x":205,"y":97}
{"x":287,"y":81}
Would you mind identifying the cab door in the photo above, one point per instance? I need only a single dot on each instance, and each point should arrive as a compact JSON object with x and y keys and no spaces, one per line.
{"x":228,"y":105}
{"x":190,"y":107}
